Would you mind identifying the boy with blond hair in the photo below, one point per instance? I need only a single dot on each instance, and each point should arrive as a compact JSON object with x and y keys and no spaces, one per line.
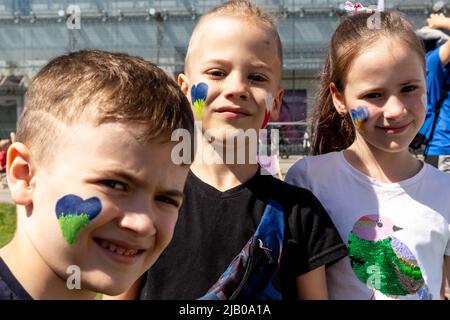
{"x":91,"y":174}
{"x":241,"y":234}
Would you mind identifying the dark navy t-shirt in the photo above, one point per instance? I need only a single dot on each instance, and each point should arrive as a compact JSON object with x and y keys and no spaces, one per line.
{"x":10,"y":288}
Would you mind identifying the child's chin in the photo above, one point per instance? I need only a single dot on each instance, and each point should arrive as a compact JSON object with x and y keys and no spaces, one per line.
{"x":231,"y":132}
{"x":106,"y":284}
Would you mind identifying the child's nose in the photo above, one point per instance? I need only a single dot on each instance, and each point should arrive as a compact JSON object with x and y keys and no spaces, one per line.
{"x":139,"y":222}
{"x":236,"y":87}
{"x":394,"y":107}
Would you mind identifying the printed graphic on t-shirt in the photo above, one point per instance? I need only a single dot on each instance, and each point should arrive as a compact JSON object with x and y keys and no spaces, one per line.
{"x":382,"y":262}
{"x":250,"y":275}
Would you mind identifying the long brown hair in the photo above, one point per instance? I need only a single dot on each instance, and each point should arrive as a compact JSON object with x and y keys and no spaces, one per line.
{"x":330,"y":131}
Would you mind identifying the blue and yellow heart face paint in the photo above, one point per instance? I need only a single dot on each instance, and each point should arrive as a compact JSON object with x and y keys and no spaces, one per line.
{"x":360,"y":116}
{"x":199,"y":93}
{"x":74,"y":214}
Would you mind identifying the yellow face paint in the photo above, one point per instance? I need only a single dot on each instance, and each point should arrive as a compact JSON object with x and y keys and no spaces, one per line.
{"x":198,"y":98}
{"x":360,"y":116}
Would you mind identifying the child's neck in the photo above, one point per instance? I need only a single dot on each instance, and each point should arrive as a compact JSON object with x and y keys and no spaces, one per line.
{"x":35,"y":275}
{"x":388,"y":167}
{"x":222,"y":175}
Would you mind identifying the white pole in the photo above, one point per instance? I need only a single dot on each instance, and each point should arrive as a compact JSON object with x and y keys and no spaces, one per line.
{"x":380,"y":5}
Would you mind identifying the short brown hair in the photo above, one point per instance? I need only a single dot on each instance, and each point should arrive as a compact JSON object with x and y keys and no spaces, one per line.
{"x":109,"y":86}
{"x":240,"y":9}
{"x":331,"y":132}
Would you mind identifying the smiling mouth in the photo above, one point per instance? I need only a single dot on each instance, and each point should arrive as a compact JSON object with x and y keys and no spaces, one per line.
{"x":233,"y":111}
{"x":117,"y":249}
{"x":397,"y":129}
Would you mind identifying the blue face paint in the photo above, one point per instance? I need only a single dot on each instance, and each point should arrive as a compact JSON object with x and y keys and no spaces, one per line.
{"x":74,"y":214}
{"x":360,"y":116}
{"x":198,"y":97}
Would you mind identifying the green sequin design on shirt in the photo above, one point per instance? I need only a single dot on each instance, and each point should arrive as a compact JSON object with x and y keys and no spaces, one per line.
{"x":364,"y":254}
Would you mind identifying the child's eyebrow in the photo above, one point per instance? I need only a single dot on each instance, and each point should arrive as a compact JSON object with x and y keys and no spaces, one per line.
{"x":256,"y":64}
{"x":124,"y":175}
{"x":128,"y":177}
{"x":172,"y":193}
{"x":261,"y":65}
{"x":410,"y":81}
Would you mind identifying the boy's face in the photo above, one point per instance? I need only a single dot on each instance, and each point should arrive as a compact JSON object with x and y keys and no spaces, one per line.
{"x":131,"y":193}
{"x":239,"y":63}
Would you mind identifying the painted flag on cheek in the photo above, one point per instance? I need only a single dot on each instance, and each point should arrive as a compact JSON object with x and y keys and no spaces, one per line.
{"x":360,"y":116}
{"x":199,"y":93}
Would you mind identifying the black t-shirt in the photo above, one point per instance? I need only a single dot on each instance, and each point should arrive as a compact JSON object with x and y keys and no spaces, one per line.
{"x":10,"y":288}
{"x":214,"y":226}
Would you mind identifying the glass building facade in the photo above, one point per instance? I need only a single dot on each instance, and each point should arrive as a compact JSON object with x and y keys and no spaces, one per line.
{"x":34,"y":31}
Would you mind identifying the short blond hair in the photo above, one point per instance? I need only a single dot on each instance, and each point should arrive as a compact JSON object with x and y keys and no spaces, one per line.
{"x":107,"y":87}
{"x":239,"y":9}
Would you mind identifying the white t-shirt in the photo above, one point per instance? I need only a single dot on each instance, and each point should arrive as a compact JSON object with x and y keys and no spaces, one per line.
{"x":399,"y":232}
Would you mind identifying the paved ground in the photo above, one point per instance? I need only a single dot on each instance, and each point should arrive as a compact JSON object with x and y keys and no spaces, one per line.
{"x":4,"y":196}
{"x":285,"y":164}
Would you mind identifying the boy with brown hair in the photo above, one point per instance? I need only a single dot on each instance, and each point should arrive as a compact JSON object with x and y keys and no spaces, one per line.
{"x":91,"y":174}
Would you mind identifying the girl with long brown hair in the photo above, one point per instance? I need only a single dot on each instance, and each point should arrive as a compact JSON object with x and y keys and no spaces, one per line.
{"x":390,"y":208}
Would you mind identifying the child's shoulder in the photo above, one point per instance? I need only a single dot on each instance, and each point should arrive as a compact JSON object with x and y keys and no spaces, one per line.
{"x":318,"y":161}
{"x":434,"y":178}
{"x":314,"y":165}
{"x":10,"y":288}
{"x":289,"y":195}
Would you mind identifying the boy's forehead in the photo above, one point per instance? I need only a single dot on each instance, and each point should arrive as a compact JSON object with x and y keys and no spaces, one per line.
{"x":111,"y":140}
{"x":206,"y":31}
{"x":207,"y":26}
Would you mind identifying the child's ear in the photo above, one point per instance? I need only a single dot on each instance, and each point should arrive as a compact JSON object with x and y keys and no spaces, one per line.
{"x":276,"y":108}
{"x":183,"y":83}
{"x":338,"y":100}
{"x":20,"y":174}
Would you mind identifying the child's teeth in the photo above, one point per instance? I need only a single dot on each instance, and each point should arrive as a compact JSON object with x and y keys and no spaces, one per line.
{"x":131,"y":252}
{"x":122,"y":251}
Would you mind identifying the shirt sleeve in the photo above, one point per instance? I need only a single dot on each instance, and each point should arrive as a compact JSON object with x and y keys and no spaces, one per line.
{"x":315,"y":240}
{"x":436,"y":75}
{"x":296,"y":174}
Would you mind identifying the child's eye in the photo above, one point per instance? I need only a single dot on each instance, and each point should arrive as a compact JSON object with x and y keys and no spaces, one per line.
{"x":216,"y":73}
{"x":113,"y":184}
{"x":372,"y":95}
{"x":167,"y":200}
{"x":409,"y":88}
{"x":257,"y":78}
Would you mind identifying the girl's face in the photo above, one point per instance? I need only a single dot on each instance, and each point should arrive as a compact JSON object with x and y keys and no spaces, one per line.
{"x":385,"y":94}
